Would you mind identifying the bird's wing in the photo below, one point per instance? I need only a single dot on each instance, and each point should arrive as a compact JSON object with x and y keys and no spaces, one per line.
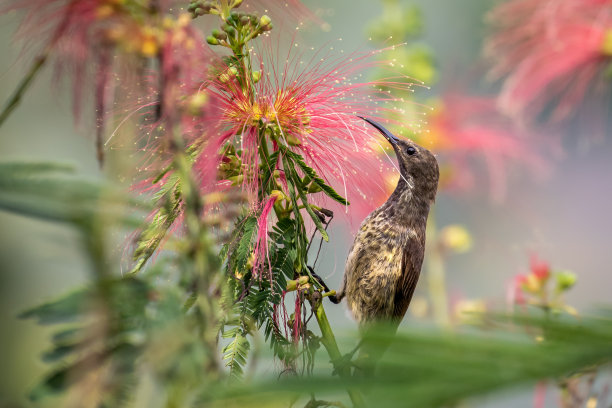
{"x":412,"y":259}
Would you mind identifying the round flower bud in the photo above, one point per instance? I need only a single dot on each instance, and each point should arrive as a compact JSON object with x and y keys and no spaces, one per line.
{"x":456,"y":238}
{"x":565,"y":280}
{"x":265,"y":20}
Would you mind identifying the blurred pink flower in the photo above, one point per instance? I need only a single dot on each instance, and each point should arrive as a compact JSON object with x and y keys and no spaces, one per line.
{"x":550,"y":53}
{"x":91,"y":40}
{"x":467,"y":131}
{"x":515,"y":294}
{"x":281,"y":11}
{"x":539,"y":269}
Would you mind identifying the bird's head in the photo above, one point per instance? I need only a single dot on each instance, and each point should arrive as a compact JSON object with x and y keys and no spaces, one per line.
{"x":416,"y":164}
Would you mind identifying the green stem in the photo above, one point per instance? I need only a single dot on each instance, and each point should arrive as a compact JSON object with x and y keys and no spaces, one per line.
{"x":25,"y":83}
{"x":329,"y":342}
{"x":436,"y":276}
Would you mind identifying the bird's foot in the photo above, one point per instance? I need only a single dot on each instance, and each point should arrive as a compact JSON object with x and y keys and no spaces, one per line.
{"x":346,"y":361}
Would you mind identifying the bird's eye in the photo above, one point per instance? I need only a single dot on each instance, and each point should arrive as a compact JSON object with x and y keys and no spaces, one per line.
{"x":410,"y":150}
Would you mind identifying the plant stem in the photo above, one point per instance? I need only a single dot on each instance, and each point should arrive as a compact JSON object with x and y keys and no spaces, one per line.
{"x":436,"y":276}
{"x":329,"y":342}
{"x":25,"y":83}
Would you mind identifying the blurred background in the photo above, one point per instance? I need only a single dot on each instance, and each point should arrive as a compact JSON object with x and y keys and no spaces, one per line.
{"x":559,"y":214}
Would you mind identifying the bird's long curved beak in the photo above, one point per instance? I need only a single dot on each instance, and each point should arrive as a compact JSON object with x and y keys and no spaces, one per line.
{"x":388,"y":135}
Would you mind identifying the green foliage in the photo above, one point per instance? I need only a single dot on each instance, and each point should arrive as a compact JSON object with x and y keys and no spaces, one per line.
{"x":314,"y":177}
{"x":109,"y":322}
{"x":52,"y":192}
{"x":400,"y":24}
{"x":235,"y":354}
{"x":427,"y":368}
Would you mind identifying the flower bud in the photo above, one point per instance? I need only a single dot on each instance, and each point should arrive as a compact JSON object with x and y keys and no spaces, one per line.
{"x":218,"y":34}
{"x":314,"y":188}
{"x":532,"y":284}
{"x":264,"y":20}
{"x":328,"y":213}
{"x":231,"y":31}
{"x":256,"y":76}
{"x":292,"y":140}
{"x":456,"y":238}
{"x":291,"y":285}
{"x":197,"y":102}
{"x":565,"y":280}
{"x":212,"y":40}
{"x":278,"y":194}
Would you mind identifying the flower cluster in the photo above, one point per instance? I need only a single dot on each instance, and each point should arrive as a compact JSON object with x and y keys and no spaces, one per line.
{"x":101,"y":41}
{"x":533,"y":288}
{"x":550,"y":53}
{"x":309,"y":109}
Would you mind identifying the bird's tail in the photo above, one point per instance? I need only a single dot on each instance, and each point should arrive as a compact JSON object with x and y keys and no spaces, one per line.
{"x":375,"y":340}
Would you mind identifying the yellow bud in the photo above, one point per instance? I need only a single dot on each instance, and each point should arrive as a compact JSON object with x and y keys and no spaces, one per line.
{"x":532,"y":284}
{"x":291,"y":285}
{"x":149,"y":48}
{"x":265,"y":20}
{"x":456,"y":238}
{"x":197,"y":102}
{"x":251,"y":261}
{"x":278,"y":194}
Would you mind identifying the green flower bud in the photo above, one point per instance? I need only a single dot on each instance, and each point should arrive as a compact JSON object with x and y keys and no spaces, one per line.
{"x":292,"y":140}
{"x":291,"y":285}
{"x":264,"y":20}
{"x":565,"y":280}
{"x":212,"y":40}
{"x":256,"y":76}
{"x":314,"y":188}
{"x":231,"y":31}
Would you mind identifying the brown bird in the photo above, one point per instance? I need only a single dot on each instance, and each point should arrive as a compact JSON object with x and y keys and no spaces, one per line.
{"x":384,"y":263}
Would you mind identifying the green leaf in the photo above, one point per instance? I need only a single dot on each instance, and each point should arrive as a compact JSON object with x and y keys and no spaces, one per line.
{"x":67,"y":308}
{"x":312,"y":174}
{"x":294,"y":180}
{"x":235,"y":354}
{"x":46,"y":190}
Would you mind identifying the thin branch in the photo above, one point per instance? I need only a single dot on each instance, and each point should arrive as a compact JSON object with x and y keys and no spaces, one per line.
{"x":23,"y":86}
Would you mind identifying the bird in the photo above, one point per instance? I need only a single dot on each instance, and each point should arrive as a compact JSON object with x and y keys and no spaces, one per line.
{"x":384,"y":262}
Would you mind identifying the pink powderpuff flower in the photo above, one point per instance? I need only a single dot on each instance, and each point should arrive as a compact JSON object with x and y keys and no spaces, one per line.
{"x":282,"y":11}
{"x":94,"y":39}
{"x":468,"y":131}
{"x":551,"y":54}
{"x":309,"y":108}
